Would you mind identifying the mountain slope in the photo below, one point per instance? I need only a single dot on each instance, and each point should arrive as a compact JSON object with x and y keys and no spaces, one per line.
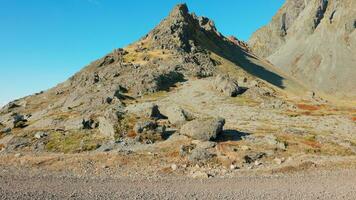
{"x":314,"y":41}
{"x":93,"y":104}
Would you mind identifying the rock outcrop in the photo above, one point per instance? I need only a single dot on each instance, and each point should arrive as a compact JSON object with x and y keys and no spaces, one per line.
{"x":203,"y":129}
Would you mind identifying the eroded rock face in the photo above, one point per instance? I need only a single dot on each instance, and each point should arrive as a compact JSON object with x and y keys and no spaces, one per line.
{"x":314,"y":41}
{"x":203,"y":129}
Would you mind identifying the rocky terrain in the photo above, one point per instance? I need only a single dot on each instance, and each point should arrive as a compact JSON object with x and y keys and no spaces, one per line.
{"x":314,"y":41}
{"x":183,"y":100}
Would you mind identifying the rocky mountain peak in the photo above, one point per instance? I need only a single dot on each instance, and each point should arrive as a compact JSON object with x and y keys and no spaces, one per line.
{"x":181,"y":29}
{"x":180,"y":11}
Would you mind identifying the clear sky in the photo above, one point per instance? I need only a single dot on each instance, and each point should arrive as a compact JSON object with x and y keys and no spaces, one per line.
{"x":44,"y":42}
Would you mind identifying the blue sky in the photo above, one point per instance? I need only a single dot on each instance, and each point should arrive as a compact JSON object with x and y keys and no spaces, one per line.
{"x":44,"y":42}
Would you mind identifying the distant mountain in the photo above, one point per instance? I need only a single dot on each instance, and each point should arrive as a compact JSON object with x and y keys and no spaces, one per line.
{"x":314,"y":41}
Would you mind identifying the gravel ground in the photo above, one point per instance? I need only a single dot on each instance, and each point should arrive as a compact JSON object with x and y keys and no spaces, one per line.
{"x":339,"y":184}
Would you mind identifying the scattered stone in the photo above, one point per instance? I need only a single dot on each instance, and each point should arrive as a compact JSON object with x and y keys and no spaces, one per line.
{"x":96,"y":78}
{"x":140,"y":127}
{"x":174,"y":167}
{"x":108,"y":100}
{"x":295,"y":131}
{"x":5,"y":130}
{"x":185,"y":150}
{"x":106,"y":147}
{"x":40,"y":135}
{"x":257,"y":163}
{"x":89,"y":124}
{"x":278,"y":161}
{"x":277,"y":104}
{"x":250,"y":158}
{"x":203,"y":129}
{"x":272,"y":140}
{"x":199,"y":175}
{"x":18,"y":155}
{"x":227,"y":86}
{"x":245,"y":148}
{"x":233,"y":167}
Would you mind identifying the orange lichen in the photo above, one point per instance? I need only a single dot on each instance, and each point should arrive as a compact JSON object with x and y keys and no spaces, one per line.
{"x":309,"y":107}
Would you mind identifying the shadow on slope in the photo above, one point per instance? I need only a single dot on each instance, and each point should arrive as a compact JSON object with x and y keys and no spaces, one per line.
{"x":235,"y":54}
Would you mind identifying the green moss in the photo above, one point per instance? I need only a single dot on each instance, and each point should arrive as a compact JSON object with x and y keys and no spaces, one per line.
{"x":73,"y":142}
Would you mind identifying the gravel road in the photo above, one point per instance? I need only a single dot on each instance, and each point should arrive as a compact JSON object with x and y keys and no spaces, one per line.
{"x":311,"y":185}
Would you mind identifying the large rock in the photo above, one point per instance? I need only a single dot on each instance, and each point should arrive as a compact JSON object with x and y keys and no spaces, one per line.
{"x":226,"y":86}
{"x":200,"y":155}
{"x":19,"y":121}
{"x":108,"y":123}
{"x":147,"y":110}
{"x":149,"y":131}
{"x":106,"y":127}
{"x":177,"y":115}
{"x":203,"y":129}
{"x":143,"y":126}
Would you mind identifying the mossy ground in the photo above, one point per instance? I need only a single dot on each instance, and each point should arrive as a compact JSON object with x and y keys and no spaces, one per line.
{"x":73,"y":142}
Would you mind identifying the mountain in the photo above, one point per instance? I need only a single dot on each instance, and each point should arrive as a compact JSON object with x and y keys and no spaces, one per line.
{"x":314,"y":41}
{"x":183,"y":94}
{"x":182,"y":47}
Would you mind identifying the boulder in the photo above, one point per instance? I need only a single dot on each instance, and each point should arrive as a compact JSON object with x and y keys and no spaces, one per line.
{"x":40,"y":135}
{"x":176,"y":115}
{"x":12,"y":105}
{"x":5,"y":130}
{"x":19,"y":121}
{"x":227,"y":86}
{"x":203,"y":129}
{"x":199,"y":175}
{"x":141,"y":127}
{"x":273,"y":141}
{"x":149,"y":131}
{"x":200,"y":155}
{"x":185,"y":150}
{"x":106,"y":127}
{"x":109,"y":121}
{"x":147,"y":110}
{"x":89,"y":124}
{"x":253,"y":157}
